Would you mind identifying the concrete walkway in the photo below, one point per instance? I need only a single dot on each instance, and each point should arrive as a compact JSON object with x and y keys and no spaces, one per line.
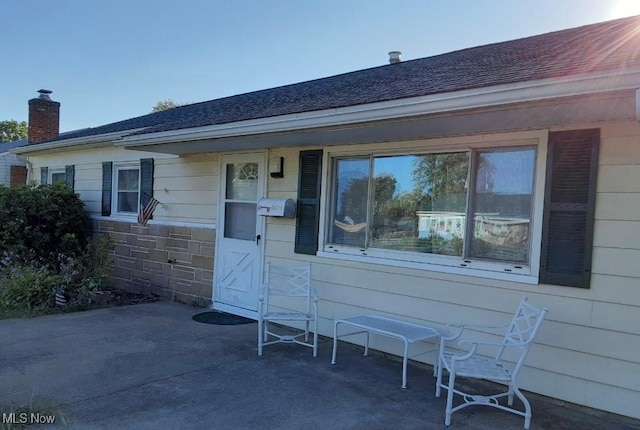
{"x":152,"y":367}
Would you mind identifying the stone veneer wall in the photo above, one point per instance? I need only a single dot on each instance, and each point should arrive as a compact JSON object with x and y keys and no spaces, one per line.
{"x":170,"y":261}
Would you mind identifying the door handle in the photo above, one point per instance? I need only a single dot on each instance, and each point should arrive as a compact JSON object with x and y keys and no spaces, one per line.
{"x":257,"y":239}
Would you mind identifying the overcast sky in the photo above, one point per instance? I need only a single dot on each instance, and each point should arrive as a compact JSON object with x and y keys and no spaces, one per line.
{"x":111,"y":60}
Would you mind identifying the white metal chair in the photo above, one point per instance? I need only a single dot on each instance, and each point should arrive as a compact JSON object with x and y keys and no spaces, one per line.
{"x":519,"y":336}
{"x":285,"y":287}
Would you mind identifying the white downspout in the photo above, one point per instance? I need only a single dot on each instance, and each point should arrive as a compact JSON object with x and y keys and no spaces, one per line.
{"x":29,"y":170}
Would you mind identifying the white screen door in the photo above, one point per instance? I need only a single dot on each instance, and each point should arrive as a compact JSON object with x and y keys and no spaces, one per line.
{"x":239,"y":249}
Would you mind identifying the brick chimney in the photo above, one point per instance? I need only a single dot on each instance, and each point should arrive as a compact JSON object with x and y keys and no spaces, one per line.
{"x":44,"y":118}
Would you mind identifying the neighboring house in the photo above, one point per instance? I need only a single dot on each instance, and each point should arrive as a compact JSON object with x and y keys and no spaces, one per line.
{"x":13,"y":168}
{"x":438,"y":189}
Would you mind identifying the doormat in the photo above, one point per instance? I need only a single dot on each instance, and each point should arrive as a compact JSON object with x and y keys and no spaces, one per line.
{"x":220,"y":318}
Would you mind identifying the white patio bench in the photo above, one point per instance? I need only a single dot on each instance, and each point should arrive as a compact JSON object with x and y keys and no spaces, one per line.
{"x":405,"y":331}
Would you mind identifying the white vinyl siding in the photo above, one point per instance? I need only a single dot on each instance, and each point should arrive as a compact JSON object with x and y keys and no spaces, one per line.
{"x":187,"y":187}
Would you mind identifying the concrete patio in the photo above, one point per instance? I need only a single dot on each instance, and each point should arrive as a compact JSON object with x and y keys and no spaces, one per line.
{"x":152,"y":367}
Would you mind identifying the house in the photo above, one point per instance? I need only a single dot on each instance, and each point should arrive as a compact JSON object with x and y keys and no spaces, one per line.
{"x":13,"y":168}
{"x":434,"y":190}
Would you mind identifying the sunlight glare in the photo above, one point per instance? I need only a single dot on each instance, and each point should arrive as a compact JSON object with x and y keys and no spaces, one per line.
{"x":622,"y":8}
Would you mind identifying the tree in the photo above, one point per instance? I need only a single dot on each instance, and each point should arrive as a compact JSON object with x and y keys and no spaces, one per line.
{"x":441,"y":175}
{"x":164,"y":105}
{"x":12,"y":130}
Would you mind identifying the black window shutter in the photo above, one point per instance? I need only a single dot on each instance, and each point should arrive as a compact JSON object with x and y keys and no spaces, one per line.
{"x":107,"y":181}
{"x":44,"y":175}
{"x":308,"y":211}
{"x":69,"y":172}
{"x":146,"y":180}
{"x":569,"y":208}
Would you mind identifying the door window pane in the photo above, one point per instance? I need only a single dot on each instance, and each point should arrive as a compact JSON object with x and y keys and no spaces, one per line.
{"x":242,"y":181}
{"x":349,"y":220}
{"x":502,"y":205}
{"x":419,"y":203}
{"x":240,"y":221}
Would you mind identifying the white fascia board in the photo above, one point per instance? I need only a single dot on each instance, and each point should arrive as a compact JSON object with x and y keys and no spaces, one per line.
{"x":438,"y":103}
{"x":95,"y":141}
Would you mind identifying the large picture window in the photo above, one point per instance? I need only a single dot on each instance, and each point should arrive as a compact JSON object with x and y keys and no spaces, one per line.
{"x":418,"y":205}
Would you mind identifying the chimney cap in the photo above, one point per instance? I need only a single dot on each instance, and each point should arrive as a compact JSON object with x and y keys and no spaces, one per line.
{"x":44,"y":94}
{"x":394,"y":57}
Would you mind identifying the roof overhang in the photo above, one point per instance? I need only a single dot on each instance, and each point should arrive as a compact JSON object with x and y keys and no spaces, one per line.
{"x":527,"y":105}
{"x":95,"y":141}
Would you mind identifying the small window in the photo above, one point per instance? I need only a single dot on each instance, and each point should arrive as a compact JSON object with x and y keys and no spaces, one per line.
{"x":127,"y":189}
{"x":57,"y":176}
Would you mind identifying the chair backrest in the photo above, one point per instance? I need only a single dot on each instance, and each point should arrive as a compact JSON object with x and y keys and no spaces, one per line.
{"x":522,"y":330}
{"x":288,"y":281}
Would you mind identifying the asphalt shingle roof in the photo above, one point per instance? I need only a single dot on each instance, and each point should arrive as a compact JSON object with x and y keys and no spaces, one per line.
{"x":4,"y":147}
{"x":602,"y":47}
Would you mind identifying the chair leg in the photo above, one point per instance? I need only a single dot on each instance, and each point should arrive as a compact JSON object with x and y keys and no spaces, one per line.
{"x":315,"y":336}
{"x":315,"y":343}
{"x":439,"y":378}
{"x":527,"y":406}
{"x":404,"y":364}
{"x":260,"y":337}
{"x":447,"y":418}
{"x":306,"y":332}
{"x":335,"y":343}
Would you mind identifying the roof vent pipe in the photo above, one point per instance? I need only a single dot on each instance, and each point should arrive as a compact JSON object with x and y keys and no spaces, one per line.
{"x":394,"y":57}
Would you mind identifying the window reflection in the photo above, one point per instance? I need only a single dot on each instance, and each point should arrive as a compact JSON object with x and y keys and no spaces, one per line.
{"x":502,"y":205}
{"x":350,"y":202}
{"x":419,"y":203}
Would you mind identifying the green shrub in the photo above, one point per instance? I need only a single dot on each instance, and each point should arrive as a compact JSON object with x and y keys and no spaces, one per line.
{"x":86,"y":273}
{"x":96,"y":261}
{"x":28,"y":288}
{"x":29,"y":285}
{"x":40,"y":222}
{"x":45,"y":244}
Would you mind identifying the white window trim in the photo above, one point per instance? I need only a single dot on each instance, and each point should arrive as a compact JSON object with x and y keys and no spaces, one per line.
{"x":438,"y":263}
{"x":114,"y":189}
